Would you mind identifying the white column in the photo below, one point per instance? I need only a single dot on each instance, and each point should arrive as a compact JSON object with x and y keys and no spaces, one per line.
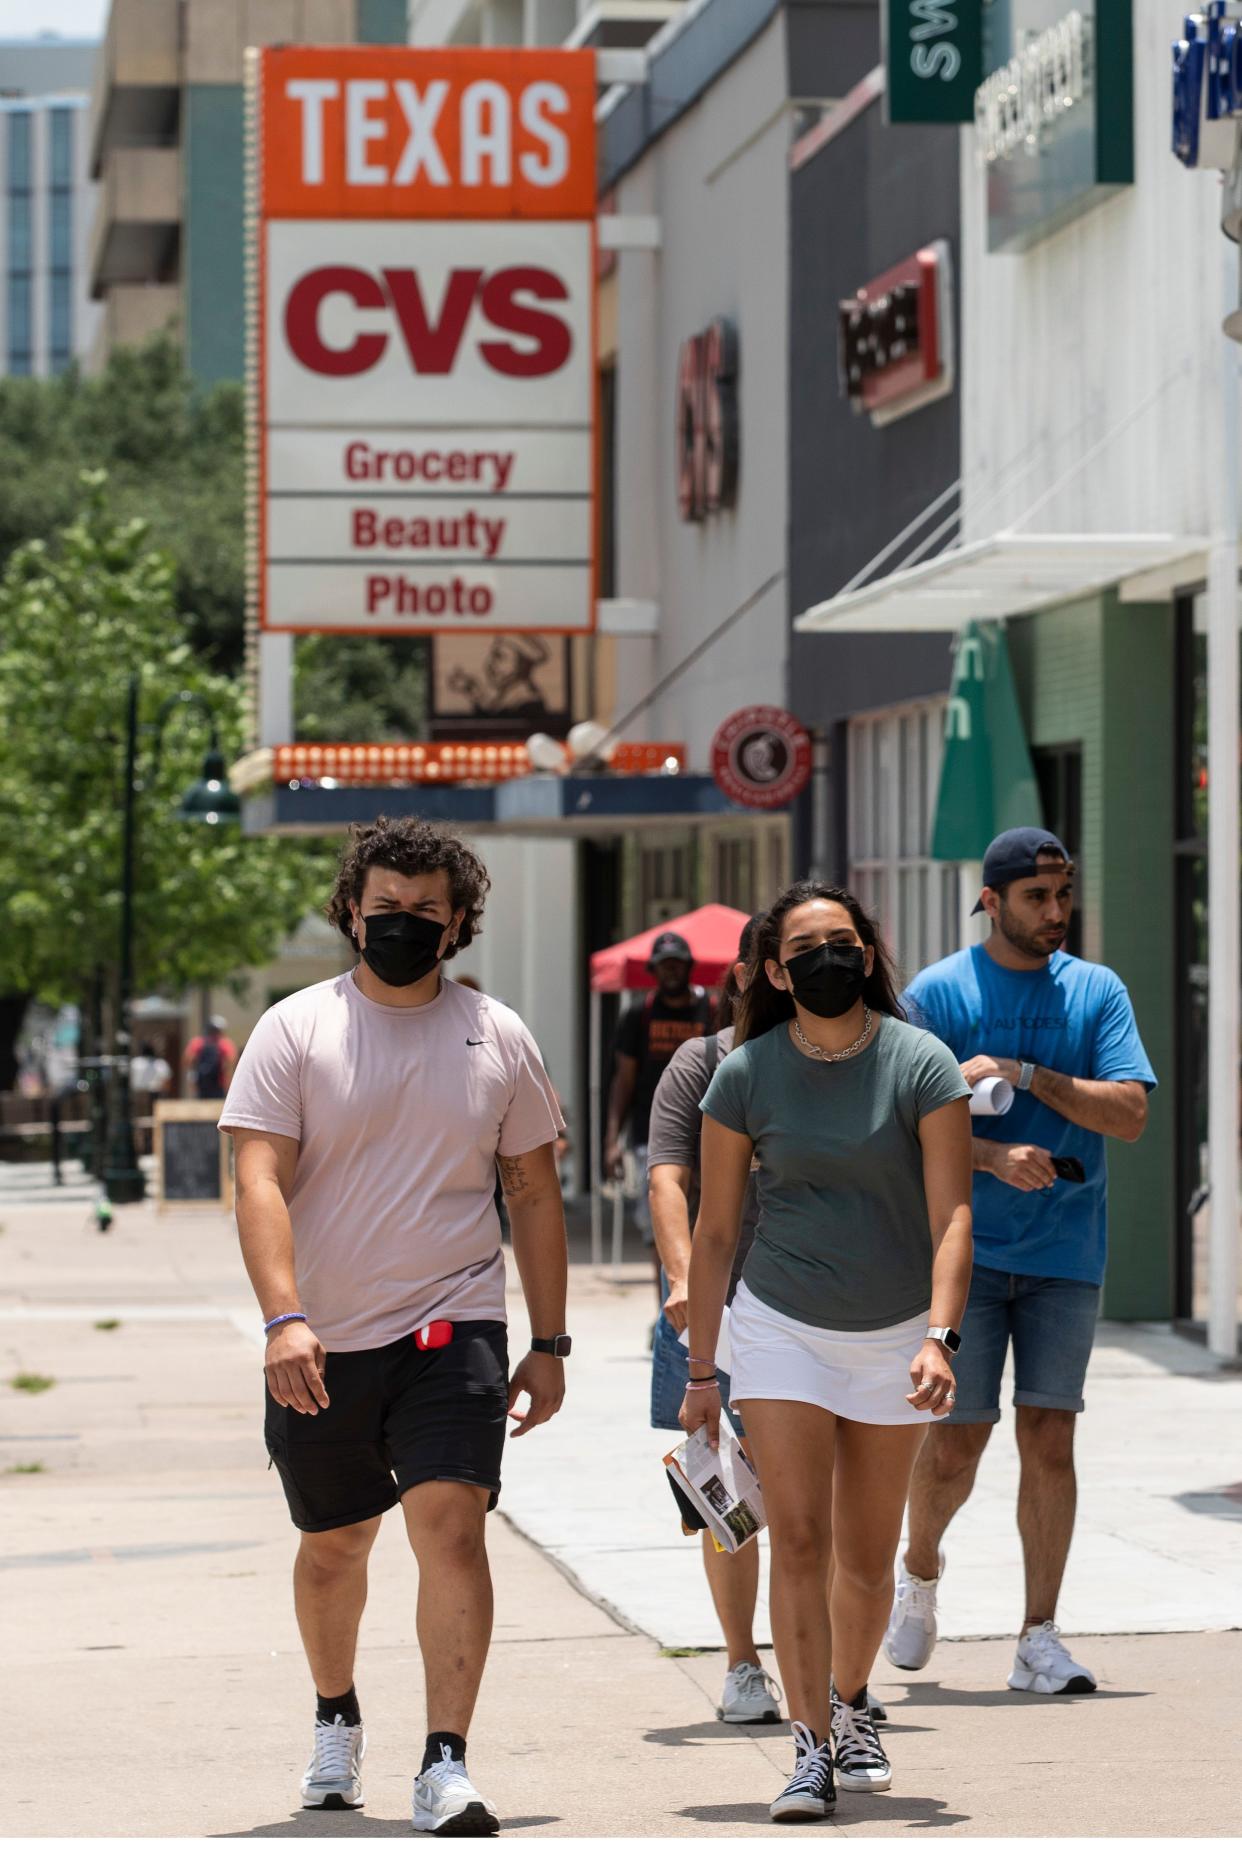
{"x":1223,"y":877}
{"x":275,"y":697}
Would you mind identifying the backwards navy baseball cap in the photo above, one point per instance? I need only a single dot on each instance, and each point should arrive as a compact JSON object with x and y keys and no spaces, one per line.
{"x":1016,"y":854}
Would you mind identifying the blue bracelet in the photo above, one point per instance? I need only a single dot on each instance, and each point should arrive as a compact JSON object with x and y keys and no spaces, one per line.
{"x":280,"y":1320}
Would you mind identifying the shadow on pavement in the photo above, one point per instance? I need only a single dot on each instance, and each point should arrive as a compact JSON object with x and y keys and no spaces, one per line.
{"x":699,"y":1731}
{"x":357,"y":1824}
{"x":935,"y":1695}
{"x":920,"y":1814}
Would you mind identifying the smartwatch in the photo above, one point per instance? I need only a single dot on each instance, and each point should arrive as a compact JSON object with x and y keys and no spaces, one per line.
{"x":945,"y":1336}
{"x":560,"y":1345}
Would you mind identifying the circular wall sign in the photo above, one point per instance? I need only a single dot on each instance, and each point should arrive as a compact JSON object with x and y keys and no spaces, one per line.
{"x":761,"y":757}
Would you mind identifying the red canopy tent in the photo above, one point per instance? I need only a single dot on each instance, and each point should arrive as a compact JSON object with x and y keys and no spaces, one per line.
{"x":712,"y":932}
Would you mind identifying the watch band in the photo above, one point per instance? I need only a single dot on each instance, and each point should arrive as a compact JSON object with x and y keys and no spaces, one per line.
{"x":1026,"y":1074}
{"x":560,"y":1345}
{"x":945,"y":1336}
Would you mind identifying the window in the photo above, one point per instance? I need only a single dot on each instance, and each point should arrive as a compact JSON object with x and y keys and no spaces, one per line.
{"x":62,"y":148}
{"x":893,"y":772}
{"x":19,"y":232}
{"x":18,"y":255}
{"x":62,"y":320}
{"x":19,"y":151}
{"x":60,"y":218}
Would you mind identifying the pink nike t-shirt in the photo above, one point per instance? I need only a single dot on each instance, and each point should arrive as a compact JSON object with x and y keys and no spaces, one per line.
{"x":399,"y":1115}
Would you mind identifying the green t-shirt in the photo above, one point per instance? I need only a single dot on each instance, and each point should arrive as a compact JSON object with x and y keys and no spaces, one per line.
{"x":843,"y":1239}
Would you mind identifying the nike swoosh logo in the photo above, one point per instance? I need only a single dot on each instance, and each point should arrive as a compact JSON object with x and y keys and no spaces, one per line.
{"x":475,"y":1044}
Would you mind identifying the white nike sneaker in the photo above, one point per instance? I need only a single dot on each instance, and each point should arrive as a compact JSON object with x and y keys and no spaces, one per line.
{"x":333,"y":1780}
{"x":445,"y":1802}
{"x":1045,"y":1666}
{"x":750,"y":1695}
{"x":911,"y":1634}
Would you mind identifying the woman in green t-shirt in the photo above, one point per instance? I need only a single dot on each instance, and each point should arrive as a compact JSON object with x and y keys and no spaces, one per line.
{"x":860,"y":1259}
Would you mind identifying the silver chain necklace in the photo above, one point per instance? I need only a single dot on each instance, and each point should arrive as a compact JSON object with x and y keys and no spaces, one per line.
{"x":842,"y":1054}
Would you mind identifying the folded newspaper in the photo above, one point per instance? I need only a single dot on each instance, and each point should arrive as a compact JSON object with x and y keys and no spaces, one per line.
{"x":719,"y":1487}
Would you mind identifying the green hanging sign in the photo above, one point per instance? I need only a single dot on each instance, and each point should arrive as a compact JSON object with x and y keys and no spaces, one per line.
{"x":987,"y":781}
{"x":933,"y":59}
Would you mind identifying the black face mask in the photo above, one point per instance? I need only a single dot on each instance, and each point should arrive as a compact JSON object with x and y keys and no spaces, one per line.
{"x":401,"y":947}
{"x":828,"y":980}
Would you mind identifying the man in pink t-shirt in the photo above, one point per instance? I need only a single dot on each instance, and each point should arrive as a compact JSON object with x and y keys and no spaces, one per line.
{"x":370,"y":1115}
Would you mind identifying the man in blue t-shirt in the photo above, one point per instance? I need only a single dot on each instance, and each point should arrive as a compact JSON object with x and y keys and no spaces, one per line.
{"x":1063,"y":1034}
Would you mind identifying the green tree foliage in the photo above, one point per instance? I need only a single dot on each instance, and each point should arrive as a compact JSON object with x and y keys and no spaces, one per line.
{"x":78,"y":616}
{"x":175,"y":457}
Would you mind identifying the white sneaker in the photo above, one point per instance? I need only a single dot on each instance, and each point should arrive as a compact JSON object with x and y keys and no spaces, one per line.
{"x":447,"y":1803}
{"x":750,"y":1695}
{"x":333,"y":1780}
{"x":911,"y":1634}
{"x":1045,"y":1666}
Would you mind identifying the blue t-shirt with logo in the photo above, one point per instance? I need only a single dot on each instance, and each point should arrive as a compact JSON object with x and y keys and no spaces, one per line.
{"x":1074,"y":1018}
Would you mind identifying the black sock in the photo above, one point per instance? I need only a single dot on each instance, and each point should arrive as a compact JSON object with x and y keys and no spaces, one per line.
{"x":432,"y":1754}
{"x":346,"y":1705}
{"x":860,"y":1699}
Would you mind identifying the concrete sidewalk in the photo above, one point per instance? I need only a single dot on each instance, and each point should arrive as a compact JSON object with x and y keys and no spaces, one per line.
{"x":163,"y":1691}
{"x":1158,"y":1544}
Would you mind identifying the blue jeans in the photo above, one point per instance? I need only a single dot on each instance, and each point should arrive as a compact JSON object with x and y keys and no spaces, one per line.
{"x":669,"y":1371}
{"x":1052,"y":1325}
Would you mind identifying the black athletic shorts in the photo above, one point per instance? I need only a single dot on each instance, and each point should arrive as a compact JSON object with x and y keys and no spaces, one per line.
{"x":396,"y":1416}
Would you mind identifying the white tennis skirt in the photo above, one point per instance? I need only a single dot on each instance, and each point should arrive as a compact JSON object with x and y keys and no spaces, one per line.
{"x":863,"y":1377}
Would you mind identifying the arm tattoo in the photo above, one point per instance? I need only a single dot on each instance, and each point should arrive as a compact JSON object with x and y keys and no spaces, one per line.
{"x":513,"y":1178}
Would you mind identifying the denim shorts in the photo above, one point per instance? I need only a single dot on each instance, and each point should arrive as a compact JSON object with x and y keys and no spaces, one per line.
{"x":670,"y":1363}
{"x":1052,"y":1325}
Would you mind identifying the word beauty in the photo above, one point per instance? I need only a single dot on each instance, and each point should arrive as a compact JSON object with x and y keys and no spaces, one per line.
{"x":371,"y":530}
{"x":432,"y":341}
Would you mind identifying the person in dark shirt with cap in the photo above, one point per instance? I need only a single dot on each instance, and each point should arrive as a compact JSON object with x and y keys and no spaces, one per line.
{"x":1062,"y":1033}
{"x":647,"y":1038}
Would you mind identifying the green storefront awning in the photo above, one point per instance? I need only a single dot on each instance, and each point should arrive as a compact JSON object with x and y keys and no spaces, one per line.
{"x":987,"y":781}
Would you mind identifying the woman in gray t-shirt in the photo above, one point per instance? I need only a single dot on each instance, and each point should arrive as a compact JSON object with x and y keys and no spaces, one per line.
{"x":860,"y":1259}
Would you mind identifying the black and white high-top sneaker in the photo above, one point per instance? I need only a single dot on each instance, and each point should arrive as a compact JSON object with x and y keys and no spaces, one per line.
{"x":862,"y":1764}
{"x":810,"y":1793}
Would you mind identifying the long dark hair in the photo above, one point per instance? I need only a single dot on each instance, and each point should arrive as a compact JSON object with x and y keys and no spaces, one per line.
{"x":761,"y":1007}
{"x":730,"y":995}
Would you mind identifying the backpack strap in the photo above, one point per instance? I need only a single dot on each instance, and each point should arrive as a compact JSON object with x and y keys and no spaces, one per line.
{"x":712,"y":1049}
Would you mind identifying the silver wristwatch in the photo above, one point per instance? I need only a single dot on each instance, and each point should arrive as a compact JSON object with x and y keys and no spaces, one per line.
{"x":1026,"y":1074}
{"x":945,"y":1336}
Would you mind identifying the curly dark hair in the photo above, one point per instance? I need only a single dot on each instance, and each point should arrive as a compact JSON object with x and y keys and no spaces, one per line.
{"x":410,"y":846}
{"x":761,"y":1007}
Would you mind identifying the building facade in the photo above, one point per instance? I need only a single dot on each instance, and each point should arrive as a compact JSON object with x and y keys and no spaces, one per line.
{"x":47,"y":318}
{"x":168,"y":151}
{"x":1087,"y":475}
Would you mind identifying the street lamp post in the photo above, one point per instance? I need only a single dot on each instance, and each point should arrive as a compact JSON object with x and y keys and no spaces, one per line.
{"x":210,"y":800}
